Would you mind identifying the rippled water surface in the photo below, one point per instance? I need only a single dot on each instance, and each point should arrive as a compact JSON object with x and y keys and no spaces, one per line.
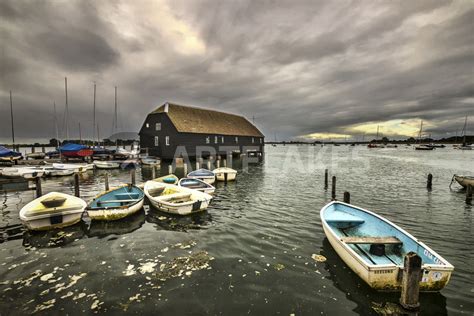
{"x":250,"y":253}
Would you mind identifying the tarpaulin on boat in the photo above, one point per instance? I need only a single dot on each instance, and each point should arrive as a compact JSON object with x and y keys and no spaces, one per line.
{"x":72,"y":147}
{"x":5,"y":152}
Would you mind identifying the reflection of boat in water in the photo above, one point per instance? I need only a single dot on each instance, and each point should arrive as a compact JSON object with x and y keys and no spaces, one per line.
{"x":166,"y":221}
{"x":124,"y":226}
{"x":369,"y":301}
{"x":52,"y":238}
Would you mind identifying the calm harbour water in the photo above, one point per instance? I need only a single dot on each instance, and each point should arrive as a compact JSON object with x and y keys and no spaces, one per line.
{"x":250,"y":253}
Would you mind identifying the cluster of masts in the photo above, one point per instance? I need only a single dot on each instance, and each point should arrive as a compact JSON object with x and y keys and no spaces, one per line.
{"x":95,"y":128}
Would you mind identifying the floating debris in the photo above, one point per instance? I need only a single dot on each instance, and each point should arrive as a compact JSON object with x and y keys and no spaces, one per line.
{"x":279,"y":266}
{"x":318,"y":258}
{"x":46,"y":277}
{"x":147,"y":267}
{"x":179,"y":265}
{"x":165,"y":249}
{"x":44,"y":305}
{"x":130,"y":271}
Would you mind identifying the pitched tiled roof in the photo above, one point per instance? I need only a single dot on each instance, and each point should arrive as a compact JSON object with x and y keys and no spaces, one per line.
{"x":188,"y":119}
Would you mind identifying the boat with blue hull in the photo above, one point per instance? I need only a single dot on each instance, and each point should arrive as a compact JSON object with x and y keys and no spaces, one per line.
{"x":8,"y":155}
{"x":116,"y":203}
{"x":374,"y":248}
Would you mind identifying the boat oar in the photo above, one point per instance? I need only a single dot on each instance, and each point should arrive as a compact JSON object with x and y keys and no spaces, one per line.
{"x":452,"y":180}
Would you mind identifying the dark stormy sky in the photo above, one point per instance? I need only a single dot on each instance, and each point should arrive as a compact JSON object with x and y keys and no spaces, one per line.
{"x":302,"y":69}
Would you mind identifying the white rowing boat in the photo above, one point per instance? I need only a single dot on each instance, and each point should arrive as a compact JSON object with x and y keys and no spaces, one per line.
{"x":374,"y":248}
{"x":464,"y":181}
{"x":99,"y":164}
{"x":75,"y":167}
{"x":53,"y":210}
{"x":22,"y":172}
{"x":177,"y":200}
{"x":224,"y":172}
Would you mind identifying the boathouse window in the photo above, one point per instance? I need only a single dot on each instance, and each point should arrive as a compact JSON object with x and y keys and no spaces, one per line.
{"x":156,"y":140}
{"x":208,"y":140}
{"x":236,"y":140}
{"x":167,"y":140}
{"x":222,"y":139}
{"x":215,"y":139}
{"x":147,"y":125}
{"x":253,"y":140}
{"x":158,"y":126}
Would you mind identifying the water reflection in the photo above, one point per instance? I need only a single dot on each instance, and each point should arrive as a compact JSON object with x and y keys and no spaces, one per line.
{"x":53,"y":238}
{"x":120,"y":227}
{"x":165,"y":221}
{"x":381,"y":303}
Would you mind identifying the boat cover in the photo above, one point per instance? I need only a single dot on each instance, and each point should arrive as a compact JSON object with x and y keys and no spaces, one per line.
{"x":5,"y":152}
{"x":72,"y":147}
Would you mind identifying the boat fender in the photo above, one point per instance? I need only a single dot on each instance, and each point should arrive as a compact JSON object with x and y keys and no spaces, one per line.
{"x":377,"y":249}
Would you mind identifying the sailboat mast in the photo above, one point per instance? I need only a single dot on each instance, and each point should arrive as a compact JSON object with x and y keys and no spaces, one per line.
{"x":464,"y":130}
{"x":56,"y":122}
{"x":80,"y":133}
{"x":115,"y":117}
{"x":93,"y":127}
{"x":377,"y":138}
{"x":11,"y":114}
{"x":67,"y":110}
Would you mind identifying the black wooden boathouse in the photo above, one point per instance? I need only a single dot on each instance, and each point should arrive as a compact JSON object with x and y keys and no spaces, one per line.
{"x":173,"y":131}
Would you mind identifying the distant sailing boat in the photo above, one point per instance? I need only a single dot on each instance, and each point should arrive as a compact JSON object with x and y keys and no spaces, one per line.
{"x":422,"y":146}
{"x":465,"y":146}
{"x":376,"y":145}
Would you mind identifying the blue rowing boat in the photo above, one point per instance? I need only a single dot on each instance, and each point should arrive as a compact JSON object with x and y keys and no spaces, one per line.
{"x":116,"y":203}
{"x":374,"y":248}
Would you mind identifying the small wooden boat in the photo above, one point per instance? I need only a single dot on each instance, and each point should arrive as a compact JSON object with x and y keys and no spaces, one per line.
{"x":203,"y":174}
{"x":36,"y":155}
{"x":116,"y":203}
{"x":224,"y":172}
{"x":53,"y":210}
{"x":22,"y":172}
{"x":424,"y":147}
{"x":170,"y":179}
{"x":129,"y":163}
{"x":75,"y":167}
{"x":464,"y":181}
{"x":121,"y":153}
{"x":374,"y":248}
{"x":149,"y":161}
{"x":173,"y":199}
{"x":196,"y":184}
{"x":99,"y":164}
{"x":52,"y":172}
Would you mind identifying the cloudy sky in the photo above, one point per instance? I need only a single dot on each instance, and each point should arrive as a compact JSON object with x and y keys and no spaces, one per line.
{"x":300,"y":69}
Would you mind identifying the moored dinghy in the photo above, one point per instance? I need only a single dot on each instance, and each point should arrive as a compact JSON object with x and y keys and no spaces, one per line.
{"x":222,"y":173}
{"x":464,"y":181}
{"x":99,"y":164}
{"x":76,"y":167}
{"x":173,"y":199}
{"x":22,"y":172}
{"x":203,"y":174}
{"x":374,"y":248}
{"x":116,"y":203}
{"x":196,"y":184}
{"x":53,"y":210}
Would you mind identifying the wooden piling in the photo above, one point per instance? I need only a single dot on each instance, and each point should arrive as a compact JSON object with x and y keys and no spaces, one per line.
{"x":347,"y":197}
{"x":153,"y":172}
{"x":170,"y":169}
{"x":326,"y":178}
{"x":333,"y":188}
{"x":225,"y":177}
{"x":106,"y":178}
{"x":218,"y":163}
{"x":197,"y":165}
{"x":209,"y":164}
{"x":43,"y":150}
{"x":33,"y":149}
{"x":185,"y":169}
{"x":39,"y":191}
{"x":77,"y":191}
{"x":469,"y":190}
{"x":429,"y":182}
{"x":412,"y":272}
{"x":224,"y":162}
{"x":133,"y":176}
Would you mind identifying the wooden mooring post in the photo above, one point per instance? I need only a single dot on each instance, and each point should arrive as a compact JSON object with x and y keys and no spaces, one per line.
{"x":133,"y":176}
{"x":185,"y":169}
{"x":326,"y":179}
{"x":333,"y":188}
{"x":77,"y":191}
{"x":224,"y":162}
{"x":39,"y":191}
{"x":106,"y":178}
{"x":347,"y":197}
{"x":469,"y":194}
{"x":429,"y":182}
{"x":209,"y":164}
{"x":170,"y":169}
{"x":412,"y":272}
{"x":153,"y":172}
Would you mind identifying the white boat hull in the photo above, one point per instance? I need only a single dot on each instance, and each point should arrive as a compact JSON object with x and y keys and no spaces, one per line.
{"x":27,"y":173}
{"x":106,"y":164}
{"x":207,"y":179}
{"x":178,"y":210}
{"x":386,"y":277}
{"x":464,"y":181}
{"x":113,"y":214}
{"x":76,"y":168}
{"x":52,"y":218}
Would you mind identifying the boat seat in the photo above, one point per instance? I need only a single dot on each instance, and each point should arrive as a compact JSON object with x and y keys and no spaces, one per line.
{"x":175,"y":196}
{"x":344,"y":220}
{"x":36,"y":212}
{"x":120,"y":196}
{"x":116,"y":201}
{"x":371,"y":240}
